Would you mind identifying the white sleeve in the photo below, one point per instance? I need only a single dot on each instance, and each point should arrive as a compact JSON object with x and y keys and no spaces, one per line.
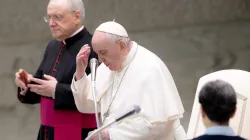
{"x":179,"y":132}
{"x":81,"y":90}
{"x":137,"y":129}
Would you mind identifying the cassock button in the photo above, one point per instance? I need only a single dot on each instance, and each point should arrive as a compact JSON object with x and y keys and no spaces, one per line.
{"x":60,"y":53}
{"x":57,"y":61}
{"x":54,"y":70}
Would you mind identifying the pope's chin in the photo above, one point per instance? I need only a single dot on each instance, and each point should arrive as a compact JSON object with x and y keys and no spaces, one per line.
{"x":110,"y":67}
{"x":107,"y":65}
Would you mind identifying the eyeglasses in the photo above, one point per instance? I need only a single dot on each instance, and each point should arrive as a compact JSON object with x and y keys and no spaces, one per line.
{"x":54,"y":17}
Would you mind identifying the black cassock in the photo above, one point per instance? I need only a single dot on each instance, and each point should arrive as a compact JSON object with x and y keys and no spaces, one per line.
{"x":60,"y":119}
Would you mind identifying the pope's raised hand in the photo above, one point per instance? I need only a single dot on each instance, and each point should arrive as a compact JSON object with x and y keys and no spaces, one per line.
{"x":82,"y":61}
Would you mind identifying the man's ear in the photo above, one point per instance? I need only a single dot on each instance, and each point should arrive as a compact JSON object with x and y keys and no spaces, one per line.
{"x":77,"y":17}
{"x":122,"y":45}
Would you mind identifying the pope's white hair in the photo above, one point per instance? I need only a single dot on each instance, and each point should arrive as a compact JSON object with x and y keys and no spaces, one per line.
{"x":116,"y":38}
{"x":73,"y":5}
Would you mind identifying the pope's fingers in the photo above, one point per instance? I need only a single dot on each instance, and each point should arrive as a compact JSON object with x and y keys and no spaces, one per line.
{"x":86,"y":46}
{"x":81,"y":56}
{"x":85,"y":59}
{"x":87,"y":53}
{"x":83,"y":51}
{"x":86,"y":49}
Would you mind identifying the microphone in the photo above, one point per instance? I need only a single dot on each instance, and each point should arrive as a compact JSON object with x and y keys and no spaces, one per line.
{"x":93,"y":68}
{"x":135,"y":109}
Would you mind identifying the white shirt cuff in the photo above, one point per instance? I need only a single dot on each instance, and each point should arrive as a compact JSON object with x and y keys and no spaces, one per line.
{"x":53,"y":94}
{"x":22,"y":92}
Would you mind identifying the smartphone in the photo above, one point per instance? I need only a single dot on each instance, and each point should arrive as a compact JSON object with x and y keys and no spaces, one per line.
{"x":24,"y":78}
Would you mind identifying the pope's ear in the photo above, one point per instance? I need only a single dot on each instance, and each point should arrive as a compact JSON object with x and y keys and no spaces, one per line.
{"x":122,"y":45}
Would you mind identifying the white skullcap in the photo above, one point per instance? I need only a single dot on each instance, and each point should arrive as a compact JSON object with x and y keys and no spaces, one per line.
{"x":112,"y":27}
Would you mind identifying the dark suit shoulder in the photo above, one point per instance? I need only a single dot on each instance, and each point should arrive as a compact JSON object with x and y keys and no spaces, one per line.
{"x":218,"y":137}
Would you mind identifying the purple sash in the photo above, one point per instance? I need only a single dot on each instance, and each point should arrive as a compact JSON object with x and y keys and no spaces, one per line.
{"x":67,"y":124}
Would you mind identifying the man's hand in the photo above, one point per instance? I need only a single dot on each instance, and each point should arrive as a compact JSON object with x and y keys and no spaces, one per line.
{"x":104,"y":135}
{"x":43,"y":87}
{"x":82,"y":61}
{"x":22,"y":79}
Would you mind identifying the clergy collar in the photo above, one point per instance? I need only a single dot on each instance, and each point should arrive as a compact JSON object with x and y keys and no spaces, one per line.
{"x":78,"y":34}
{"x":130,"y":55}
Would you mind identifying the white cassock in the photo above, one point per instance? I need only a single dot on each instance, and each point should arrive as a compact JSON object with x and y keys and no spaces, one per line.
{"x":144,"y":80}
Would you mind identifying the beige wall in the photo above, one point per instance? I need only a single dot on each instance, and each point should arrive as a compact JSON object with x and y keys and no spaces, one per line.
{"x":193,"y":37}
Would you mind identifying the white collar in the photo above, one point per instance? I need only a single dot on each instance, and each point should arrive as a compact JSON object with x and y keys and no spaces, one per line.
{"x":130,"y":55}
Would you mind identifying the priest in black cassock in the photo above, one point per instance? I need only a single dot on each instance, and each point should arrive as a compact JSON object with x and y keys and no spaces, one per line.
{"x":50,"y":85}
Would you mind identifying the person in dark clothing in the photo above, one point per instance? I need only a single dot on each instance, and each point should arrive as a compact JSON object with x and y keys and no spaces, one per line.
{"x":218,"y":104}
{"x":50,"y":85}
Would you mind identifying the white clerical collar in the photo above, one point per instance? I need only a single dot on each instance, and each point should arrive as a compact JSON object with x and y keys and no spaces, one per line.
{"x":77,"y":31}
{"x":130,"y":55}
